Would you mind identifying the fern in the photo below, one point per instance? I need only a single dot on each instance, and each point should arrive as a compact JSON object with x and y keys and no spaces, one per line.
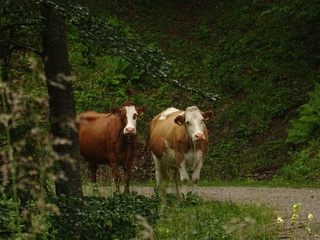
{"x":307,"y":126}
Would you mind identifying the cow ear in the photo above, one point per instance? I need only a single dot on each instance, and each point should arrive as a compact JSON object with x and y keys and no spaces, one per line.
{"x":207,"y":115}
{"x":116,"y":111}
{"x":179,"y":120}
{"x":141,"y":110}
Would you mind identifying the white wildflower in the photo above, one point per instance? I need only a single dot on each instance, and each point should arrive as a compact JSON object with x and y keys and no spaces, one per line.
{"x":296,"y":207}
{"x":295,"y":216}
{"x":280,"y":220}
{"x":308,"y":230}
{"x":310,"y":217}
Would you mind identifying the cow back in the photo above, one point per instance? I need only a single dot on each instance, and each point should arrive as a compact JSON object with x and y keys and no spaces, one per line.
{"x":165,"y":133}
{"x":98,"y":135}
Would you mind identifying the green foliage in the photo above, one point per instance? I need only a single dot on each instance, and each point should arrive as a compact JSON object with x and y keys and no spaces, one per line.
{"x":119,"y":70}
{"x":261,"y":57}
{"x":103,"y":218}
{"x":115,"y":217}
{"x":114,"y":39}
{"x":26,"y":156}
{"x":305,"y":165}
{"x":118,"y":77}
{"x":103,"y":80}
{"x":215,"y":166}
{"x":8,"y":216}
{"x":305,"y":131}
{"x":307,"y":126}
{"x":215,"y":220}
{"x":244,"y":131}
{"x":110,"y":82}
{"x":23,"y":18}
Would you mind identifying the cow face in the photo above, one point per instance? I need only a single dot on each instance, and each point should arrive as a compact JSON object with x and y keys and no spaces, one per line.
{"x":129,"y":115}
{"x":194,"y":120}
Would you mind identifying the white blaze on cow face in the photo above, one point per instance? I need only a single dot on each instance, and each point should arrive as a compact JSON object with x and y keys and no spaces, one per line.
{"x":194,"y":122}
{"x":132,"y":116}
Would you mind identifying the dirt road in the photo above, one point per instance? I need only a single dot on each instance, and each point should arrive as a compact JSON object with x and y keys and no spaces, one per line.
{"x":281,"y":199}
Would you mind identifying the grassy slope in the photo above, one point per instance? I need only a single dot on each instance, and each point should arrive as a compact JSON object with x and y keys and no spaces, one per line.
{"x":255,"y":56}
{"x":256,"y":105}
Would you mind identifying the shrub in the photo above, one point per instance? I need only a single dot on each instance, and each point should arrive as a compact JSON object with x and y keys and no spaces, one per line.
{"x":103,"y":218}
{"x":306,"y":127}
{"x":305,"y":166}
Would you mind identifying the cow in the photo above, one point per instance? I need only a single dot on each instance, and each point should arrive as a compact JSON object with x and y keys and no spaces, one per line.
{"x":178,"y":139}
{"x":110,"y":138}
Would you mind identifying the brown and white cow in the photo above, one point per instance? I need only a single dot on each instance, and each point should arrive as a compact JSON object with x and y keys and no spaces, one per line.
{"x":110,"y":138}
{"x":178,"y":139}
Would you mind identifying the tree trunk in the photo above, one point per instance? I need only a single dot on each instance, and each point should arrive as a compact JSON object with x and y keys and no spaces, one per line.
{"x":61,"y":101}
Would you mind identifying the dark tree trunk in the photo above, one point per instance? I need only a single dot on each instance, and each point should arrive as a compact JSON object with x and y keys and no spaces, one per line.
{"x":61,"y":101}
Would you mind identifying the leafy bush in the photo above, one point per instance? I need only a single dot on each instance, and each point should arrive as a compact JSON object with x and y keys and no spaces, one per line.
{"x":305,"y":133}
{"x":107,"y":83}
{"x":103,"y":218}
{"x":8,"y":216}
{"x":26,"y":157}
{"x":304,"y":166}
{"x":307,"y":126}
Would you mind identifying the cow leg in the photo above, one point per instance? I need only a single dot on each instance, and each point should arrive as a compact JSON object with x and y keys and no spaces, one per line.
{"x":112,"y":157}
{"x":175,"y":179}
{"x":196,"y":176}
{"x":160,"y":174}
{"x":184,"y":177}
{"x":117,"y":176}
{"x":127,"y":175}
{"x":93,"y":172}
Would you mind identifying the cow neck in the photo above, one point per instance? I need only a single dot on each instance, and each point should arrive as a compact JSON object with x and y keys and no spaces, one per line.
{"x":130,"y":139}
{"x":191,"y":144}
{"x":194,"y":146}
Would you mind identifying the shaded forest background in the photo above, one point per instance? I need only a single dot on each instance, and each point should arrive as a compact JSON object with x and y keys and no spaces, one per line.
{"x":254,"y":63}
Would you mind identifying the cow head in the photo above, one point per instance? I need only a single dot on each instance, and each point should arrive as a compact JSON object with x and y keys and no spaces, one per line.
{"x":129,"y":114}
{"x":194,"y":119}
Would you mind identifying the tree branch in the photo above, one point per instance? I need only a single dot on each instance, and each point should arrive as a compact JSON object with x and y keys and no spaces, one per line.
{"x":20,"y":46}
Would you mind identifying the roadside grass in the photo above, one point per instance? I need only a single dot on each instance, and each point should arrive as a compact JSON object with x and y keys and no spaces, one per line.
{"x":253,"y":183}
{"x":195,"y":218}
{"x":192,"y":218}
{"x":241,"y":183}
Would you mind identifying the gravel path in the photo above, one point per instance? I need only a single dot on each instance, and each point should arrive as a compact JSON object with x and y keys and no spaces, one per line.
{"x":281,"y":199}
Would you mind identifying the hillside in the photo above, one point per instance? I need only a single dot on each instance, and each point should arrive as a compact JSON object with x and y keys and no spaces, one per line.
{"x":254,"y":63}
{"x":260,"y":58}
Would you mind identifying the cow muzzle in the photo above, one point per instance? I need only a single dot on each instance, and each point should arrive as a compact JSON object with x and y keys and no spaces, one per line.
{"x":199,"y":137}
{"x":129,"y":131}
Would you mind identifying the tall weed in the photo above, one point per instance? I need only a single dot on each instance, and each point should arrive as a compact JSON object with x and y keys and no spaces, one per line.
{"x":26,"y":159}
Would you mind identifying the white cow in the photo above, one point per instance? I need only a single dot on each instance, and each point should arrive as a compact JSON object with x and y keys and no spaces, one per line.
{"x":178,"y":139}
